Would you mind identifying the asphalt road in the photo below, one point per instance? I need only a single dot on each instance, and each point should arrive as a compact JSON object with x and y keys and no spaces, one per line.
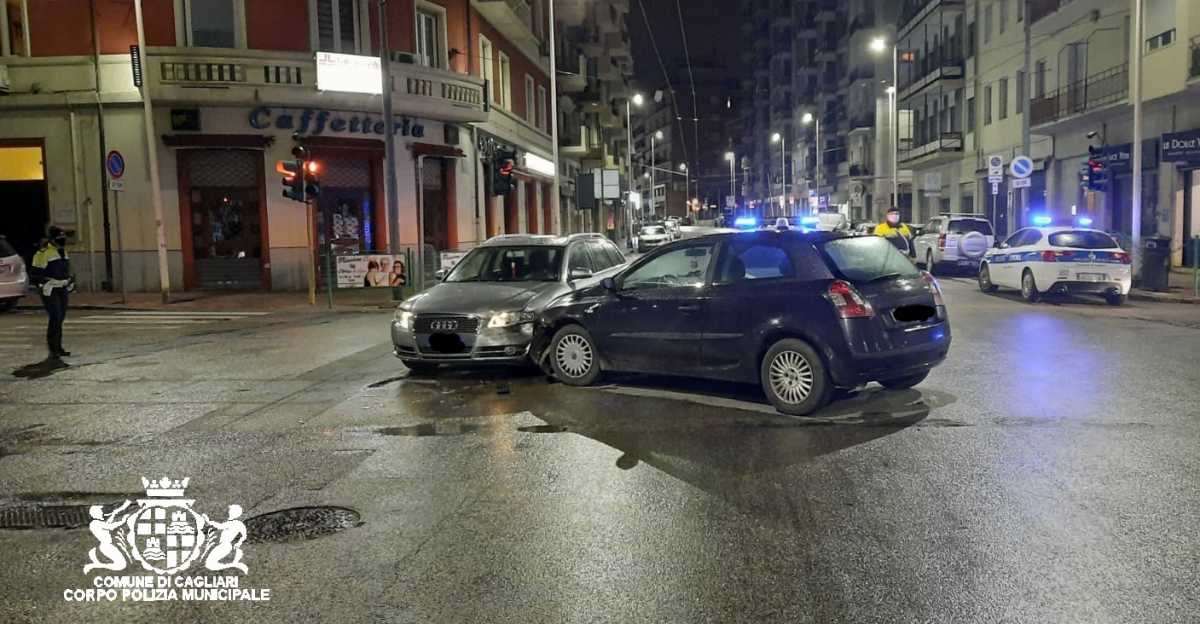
{"x":1047,"y":472}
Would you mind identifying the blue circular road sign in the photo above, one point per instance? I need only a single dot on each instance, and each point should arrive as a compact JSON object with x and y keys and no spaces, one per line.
{"x":115,"y":163}
{"x":1021,"y":167}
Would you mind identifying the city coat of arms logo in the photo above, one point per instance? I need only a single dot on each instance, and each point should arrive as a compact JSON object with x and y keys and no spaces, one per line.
{"x":165,"y":534}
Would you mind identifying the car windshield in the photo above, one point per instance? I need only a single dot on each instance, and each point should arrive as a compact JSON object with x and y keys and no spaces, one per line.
{"x":656,"y":229}
{"x":868,"y":258}
{"x":509,"y":264}
{"x":1083,"y":239}
{"x":962,"y":226}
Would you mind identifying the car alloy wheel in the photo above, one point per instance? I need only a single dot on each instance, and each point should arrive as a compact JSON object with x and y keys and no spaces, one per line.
{"x":574,"y":355}
{"x":1029,"y":289}
{"x":929,"y":261}
{"x":985,"y":279}
{"x":791,"y":377}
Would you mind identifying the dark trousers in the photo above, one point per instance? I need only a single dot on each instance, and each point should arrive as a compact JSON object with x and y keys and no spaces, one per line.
{"x":56,"y":310}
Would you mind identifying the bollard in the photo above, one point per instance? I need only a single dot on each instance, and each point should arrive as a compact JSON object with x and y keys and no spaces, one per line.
{"x":329,"y":278}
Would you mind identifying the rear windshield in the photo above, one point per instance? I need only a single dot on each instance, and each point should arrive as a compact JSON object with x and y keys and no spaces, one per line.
{"x":963,"y":226}
{"x":6,"y":249}
{"x":1082,"y":239}
{"x":868,"y":258}
{"x":658,"y":229}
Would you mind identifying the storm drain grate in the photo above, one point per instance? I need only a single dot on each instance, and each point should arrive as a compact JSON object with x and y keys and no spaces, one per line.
{"x":41,"y":517}
{"x":301,"y":523}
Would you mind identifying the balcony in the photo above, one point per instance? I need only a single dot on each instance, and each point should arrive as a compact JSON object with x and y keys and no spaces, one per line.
{"x":913,"y":12}
{"x":860,"y":171}
{"x":942,"y":148}
{"x":942,"y":63}
{"x":514,"y":20}
{"x":1099,"y":90}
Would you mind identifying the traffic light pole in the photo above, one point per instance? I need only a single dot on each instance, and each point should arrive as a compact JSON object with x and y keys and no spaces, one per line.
{"x":312,"y":252}
{"x":389,"y":141}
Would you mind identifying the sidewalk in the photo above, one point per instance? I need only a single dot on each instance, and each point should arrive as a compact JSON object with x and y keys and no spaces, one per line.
{"x":1180,"y":289}
{"x":218,"y":301}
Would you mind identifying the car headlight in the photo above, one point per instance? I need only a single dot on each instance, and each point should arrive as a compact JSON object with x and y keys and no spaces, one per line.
{"x":404,"y":318}
{"x":509,"y":319}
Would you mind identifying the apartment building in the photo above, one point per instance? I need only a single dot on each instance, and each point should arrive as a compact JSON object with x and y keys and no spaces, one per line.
{"x":231,"y":81}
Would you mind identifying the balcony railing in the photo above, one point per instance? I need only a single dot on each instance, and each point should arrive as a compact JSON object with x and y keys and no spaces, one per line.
{"x":945,"y":142}
{"x":1194,"y":69}
{"x":945,"y":61}
{"x":1107,"y":87}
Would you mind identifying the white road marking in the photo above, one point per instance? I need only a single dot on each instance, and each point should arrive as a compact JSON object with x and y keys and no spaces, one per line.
{"x":188,"y":314}
{"x":699,"y":399}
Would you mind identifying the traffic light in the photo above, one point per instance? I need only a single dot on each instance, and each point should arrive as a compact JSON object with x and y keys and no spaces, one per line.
{"x":312,"y":183}
{"x":1099,"y":175}
{"x":293,"y":178}
{"x":502,"y":172}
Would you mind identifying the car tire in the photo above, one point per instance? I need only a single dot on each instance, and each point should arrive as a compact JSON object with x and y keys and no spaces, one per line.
{"x":930,"y":265}
{"x":985,"y":279}
{"x":1029,"y":291}
{"x":1115,"y":299}
{"x":419,"y":369}
{"x":7,"y":304}
{"x":573,"y":356}
{"x":794,"y":378}
{"x":903,"y":383}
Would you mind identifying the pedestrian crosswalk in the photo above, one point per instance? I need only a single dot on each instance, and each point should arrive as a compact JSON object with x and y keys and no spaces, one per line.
{"x":30,"y":332}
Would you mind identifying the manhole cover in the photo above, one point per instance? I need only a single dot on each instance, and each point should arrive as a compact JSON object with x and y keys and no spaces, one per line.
{"x":44,"y":517}
{"x":300,"y":523}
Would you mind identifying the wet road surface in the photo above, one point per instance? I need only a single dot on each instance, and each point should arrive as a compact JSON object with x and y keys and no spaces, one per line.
{"x":1046,"y":473}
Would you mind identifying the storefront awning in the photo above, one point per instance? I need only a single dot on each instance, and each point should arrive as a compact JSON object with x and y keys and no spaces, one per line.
{"x":431,"y":149}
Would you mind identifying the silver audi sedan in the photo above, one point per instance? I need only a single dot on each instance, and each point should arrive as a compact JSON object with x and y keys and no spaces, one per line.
{"x":483,"y":309}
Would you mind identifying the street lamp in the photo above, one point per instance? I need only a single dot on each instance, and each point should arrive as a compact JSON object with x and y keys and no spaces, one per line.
{"x":879,"y":45}
{"x":730,"y":156}
{"x":782,"y":141}
{"x":658,"y":134}
{"x":636,"y":101}
{"x":810,"y":119}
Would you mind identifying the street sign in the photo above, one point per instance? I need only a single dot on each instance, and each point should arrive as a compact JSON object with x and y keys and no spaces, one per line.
{"x":1021,"y":167}
{"x":1022,"y":183}
{"x":115,"y":164}
{"x":995,"y":179}
{"x":995,"y":165}
{"x":995,"y":188}
{"x":116,"y":185}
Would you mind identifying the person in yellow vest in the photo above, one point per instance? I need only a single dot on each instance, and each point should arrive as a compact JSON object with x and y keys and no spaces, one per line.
{"x":51,"y":273}
{"x":891,"y":226}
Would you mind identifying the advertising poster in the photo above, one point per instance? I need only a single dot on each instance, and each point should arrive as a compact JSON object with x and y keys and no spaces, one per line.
{"x":371,"y":271}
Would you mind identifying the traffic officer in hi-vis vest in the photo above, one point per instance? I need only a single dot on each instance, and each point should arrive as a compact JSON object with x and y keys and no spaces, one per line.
{"x":51,"y":273}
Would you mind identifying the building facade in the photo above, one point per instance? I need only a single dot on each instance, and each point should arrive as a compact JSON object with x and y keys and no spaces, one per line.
{"x":231,"y":82}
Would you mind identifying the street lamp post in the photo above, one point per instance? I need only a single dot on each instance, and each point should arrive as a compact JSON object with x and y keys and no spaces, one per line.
{"x":732,"y":178}
{"x":658,"y":134}
{"x":687,"y":185}
{"x":879,"y":45}
{"x":637,"y":101}
{"x":782,"y":141}
{"x":810,"y":119}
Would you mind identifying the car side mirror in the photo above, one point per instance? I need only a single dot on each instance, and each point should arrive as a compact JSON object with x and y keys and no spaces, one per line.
{"x":439,"y":274}
{"x":999,"y":245}
{"x":577,"y":274}
{"x":609,"y":284}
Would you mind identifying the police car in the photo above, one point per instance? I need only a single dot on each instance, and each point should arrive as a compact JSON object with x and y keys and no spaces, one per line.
{"x":1075,"y":260}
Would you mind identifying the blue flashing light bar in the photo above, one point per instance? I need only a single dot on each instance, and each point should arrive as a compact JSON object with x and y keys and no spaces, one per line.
{"x":1042,"y":220}
{"x":810,"y":220}
{"x":1084,"y":221}
{"x":745,"y":222}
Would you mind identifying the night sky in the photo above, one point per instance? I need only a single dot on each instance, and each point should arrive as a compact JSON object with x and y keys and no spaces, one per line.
{"x":712,"y":31}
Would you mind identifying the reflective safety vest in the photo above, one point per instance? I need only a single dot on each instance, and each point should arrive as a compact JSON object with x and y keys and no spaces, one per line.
{"x":886,"y":229}
{"x":49,"y":263}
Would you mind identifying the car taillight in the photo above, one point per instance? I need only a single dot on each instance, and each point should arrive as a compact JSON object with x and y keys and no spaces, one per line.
{"x":942,"y":241}
{"x":1123,"y":257}
{"x":847,"y":302}
{"x":935,"y":287}
{"x":1054,"y":256}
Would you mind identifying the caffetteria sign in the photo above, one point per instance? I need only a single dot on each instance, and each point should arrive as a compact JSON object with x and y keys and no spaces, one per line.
{"x":315,"y":122}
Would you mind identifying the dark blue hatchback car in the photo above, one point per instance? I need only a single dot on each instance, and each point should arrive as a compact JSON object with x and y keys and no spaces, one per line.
{"x":798,"y":313}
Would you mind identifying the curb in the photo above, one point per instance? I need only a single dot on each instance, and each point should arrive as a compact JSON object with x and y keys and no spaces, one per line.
{"x":1143,"y":295}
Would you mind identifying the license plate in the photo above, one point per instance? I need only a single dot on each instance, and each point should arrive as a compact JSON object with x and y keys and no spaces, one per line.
{"x":1092,"y":277}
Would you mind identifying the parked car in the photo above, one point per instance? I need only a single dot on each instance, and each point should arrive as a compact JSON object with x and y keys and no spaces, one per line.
{"x":832,"y":222}
{"x":1040,"y":260}
{"x":960,"y":240}
{"x":782,"y":225}
{"x":865,"y":228}
{"x":14,"y":280}
{"x":799,"y":314}
{"x":672,"y":225}
{"x":652,"y":236}
{"x":483,"y":309}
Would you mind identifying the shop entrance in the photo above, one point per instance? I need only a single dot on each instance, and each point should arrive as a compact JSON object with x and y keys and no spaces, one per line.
{"x":223,"y":218}
{"x":1191,"y":216}
{"x":24,"y":196}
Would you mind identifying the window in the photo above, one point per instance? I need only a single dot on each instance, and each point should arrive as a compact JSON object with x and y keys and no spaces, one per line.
{"x":987,"y":105}
{"x":681,"y":267}
{"x":530,"y":105}
{"x":1160,"y":23}
{"x":431,"y":36}
{"x":864,"y":259}
{"x":1022,"y":91}
{"x":1039,"y":77}
{"x":508,"y":264}
{"x":487,"y":67}
{"x":1020,"y":10}
{"x":987,"y":24}
{"x":1004,"y":98}
{"x":579,"y":260}
{"x":1083,"y":239}
{"x":210,"y":23}
{"x":505,"y":82}
{"x":972,"y":30}
{"x":12,"y":19}
{"x":604,"y":255}
{"x":971,"y":115}
{"x":1004,"y":14}
{"x":338,"y":26}
{"x":755,"y":261}
{"x":541,"y":108}
{"x":962,"y":226}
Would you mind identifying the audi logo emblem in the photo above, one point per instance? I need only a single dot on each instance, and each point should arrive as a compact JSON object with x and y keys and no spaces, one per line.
{"x":443,"y":325}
